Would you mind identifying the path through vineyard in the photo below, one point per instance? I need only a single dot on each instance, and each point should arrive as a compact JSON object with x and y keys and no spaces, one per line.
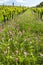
{"x":27,"y":17}
{"x":21,"y":40}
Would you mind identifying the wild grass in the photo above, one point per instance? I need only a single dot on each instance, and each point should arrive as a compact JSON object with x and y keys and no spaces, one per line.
{"x":21,"y":40}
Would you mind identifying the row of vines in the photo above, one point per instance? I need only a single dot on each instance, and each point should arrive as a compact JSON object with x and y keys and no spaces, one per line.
{"x":8,"y":12}
{"x":39,"y":11}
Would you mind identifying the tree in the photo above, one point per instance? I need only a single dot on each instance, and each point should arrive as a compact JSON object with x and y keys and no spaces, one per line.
{"x":13,"y":3}
{"x":40,"y":5}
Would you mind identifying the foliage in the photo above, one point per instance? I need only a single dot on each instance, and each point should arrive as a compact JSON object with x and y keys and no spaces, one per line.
{"x":21,"y":40}
{"x":39,"y":11}
{"x":8,"y":12}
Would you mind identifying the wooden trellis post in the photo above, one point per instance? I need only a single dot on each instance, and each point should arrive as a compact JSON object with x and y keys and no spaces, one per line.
{"x":4,"y":18}
{"x":41,"y":14}
{"x":12,"y":15}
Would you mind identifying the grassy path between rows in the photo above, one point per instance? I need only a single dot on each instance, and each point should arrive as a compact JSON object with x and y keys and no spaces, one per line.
{"x":21,"y":40}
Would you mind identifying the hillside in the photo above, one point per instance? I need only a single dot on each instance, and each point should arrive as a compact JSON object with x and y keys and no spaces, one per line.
{"x":21,"y":40}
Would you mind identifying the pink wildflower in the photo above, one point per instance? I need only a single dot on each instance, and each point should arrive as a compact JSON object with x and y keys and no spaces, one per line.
{"x":17,"y":51}
{"x":20,"y":33}
{"x":17,"y":59}
{"x":5,"y":52}
{"x":25,"y":53}
{"x":41,"y":55}
{"x":30,"y":42}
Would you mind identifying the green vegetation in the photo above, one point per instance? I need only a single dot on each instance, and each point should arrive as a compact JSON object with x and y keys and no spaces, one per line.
{"x":21,"y":40}
{"x":8,"y":12}
{"x":39,"y":11}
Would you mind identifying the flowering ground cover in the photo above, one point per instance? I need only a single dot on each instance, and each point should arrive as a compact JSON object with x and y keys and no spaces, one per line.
{"x":21,"y":40}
